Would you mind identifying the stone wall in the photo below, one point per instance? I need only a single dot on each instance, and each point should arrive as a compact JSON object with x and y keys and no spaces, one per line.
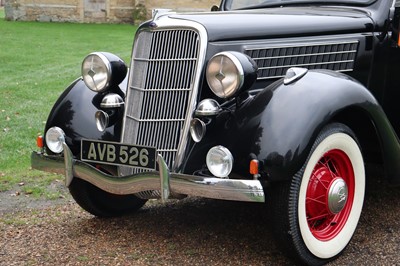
{"x":98,"y":11}
{"x":43,"y":10}
{"x":182,"y":5}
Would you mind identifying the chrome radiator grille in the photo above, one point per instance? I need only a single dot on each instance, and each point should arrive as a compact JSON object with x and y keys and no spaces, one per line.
{"x":163,"y":70}
{"x":274,"y":61}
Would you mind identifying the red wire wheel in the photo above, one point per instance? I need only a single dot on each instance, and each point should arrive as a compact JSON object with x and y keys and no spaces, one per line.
{"x":316,"y":213}
{"x":330,"y":195}
{"x":330,"y":189}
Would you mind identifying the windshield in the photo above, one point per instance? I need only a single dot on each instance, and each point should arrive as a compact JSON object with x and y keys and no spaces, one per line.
{"x":250,"y":4}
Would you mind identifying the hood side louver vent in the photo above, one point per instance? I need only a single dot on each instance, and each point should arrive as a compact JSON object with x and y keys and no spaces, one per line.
{"x":273,"y":62}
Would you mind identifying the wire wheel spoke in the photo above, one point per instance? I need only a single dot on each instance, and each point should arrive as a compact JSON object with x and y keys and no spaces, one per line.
{"x":321,"y":222}
{"x":325,"y":215}
{"x":319,"y":200}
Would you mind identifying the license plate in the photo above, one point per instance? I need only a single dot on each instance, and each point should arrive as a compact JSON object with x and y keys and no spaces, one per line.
{"x":118,"y":154}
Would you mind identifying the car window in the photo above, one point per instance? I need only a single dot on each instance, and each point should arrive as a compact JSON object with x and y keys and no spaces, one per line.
{"x":249,"y":4}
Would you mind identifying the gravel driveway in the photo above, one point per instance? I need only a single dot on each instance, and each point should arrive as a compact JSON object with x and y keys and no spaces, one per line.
{"x":192,"y":231}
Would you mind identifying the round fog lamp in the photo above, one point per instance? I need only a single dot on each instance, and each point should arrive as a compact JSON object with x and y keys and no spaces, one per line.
{"x":219,"y":161}
{"x":55,"y":137}
{"x":102,"y":120}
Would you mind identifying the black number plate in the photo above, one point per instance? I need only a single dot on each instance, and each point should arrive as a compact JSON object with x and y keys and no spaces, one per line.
{"x":118,"y":154}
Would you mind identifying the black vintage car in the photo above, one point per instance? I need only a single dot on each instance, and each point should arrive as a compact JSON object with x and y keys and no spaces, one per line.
{"x":276,"y":101}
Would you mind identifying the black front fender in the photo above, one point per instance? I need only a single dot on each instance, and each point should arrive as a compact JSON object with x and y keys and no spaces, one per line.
{"x":282,"y":122}
{"x":74,"y":112}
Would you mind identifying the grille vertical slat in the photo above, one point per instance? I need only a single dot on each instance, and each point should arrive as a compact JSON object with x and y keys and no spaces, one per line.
{"x":160,"y":90}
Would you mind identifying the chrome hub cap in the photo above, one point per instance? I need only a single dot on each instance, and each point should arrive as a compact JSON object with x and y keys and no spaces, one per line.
{"x":337,"y":195}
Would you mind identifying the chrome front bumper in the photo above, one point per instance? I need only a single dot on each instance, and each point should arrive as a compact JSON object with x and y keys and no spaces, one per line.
{"x":164,"y":181}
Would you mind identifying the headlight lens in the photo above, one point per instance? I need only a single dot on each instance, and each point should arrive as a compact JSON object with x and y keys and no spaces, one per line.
{"x":224,"y":74}
{"x":102,"y":71}
{"x":96,"y":72}
{"x":219,"y":161}
{"x":55,"y":137}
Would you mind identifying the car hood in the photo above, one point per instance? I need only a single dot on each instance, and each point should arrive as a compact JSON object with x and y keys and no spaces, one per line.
{"x":279,"y":22}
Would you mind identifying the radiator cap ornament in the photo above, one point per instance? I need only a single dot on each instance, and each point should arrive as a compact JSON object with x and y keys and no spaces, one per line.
{"x":293,"y":74}
{"x":156,"y":13}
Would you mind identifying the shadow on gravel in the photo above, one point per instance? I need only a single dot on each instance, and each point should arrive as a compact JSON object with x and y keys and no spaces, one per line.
{"x":191,"y":232}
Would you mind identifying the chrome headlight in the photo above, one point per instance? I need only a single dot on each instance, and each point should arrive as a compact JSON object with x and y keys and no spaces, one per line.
{"x":102,"y":70}
{"x":55,"y":137}
{"x":228,"y":72}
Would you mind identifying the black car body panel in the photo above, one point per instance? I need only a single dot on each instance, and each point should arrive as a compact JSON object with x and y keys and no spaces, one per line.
{"x":74,"y":112}
{"x":281,"y":22}
{"x":285,"y":109}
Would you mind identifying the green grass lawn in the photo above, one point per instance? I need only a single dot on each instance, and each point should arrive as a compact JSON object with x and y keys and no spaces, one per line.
{"x":37,"y":61}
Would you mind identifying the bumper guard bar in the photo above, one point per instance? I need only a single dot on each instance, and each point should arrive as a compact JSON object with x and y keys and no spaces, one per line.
{"x":164,"y":180}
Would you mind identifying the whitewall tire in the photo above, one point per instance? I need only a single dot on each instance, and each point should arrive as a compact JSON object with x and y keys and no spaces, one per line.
{"x":324,"y":199}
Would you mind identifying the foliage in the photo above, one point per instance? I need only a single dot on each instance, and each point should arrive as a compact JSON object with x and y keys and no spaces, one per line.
{"x":37,"y":61}
{"x":139,"y":13}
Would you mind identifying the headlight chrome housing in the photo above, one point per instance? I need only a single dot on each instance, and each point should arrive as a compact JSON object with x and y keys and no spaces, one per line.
{"x":228,"y":72}
{"x":102,"y":70}
{"x":55,"y":137}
